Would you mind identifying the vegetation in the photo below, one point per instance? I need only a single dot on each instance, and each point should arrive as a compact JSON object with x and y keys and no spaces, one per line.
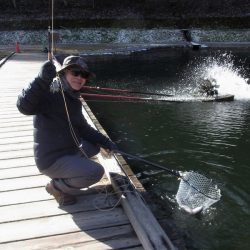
{"x":29,"y":14}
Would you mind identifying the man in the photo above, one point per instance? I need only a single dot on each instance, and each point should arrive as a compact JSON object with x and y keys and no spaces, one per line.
{"x":63,"y":140}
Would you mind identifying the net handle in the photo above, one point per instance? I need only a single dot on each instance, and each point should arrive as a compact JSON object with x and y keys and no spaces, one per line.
{"x":170,"y":171}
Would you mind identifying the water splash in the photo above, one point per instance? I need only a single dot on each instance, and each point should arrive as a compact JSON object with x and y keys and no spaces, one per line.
{"x":229,"y":78}
{"x":221,"y":69}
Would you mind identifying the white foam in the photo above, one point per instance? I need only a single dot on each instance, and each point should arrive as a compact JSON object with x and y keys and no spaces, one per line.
{"x":221,"y":69}
{"x":229,"y":80}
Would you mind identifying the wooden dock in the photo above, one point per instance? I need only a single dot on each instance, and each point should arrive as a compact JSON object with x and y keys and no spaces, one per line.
{"x":105,"y":216}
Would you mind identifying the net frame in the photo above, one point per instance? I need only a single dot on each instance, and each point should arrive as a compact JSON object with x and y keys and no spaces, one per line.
{"x":196,"y":192}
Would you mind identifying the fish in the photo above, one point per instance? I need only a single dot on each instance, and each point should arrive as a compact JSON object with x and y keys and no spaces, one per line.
{"x":192,"y":210}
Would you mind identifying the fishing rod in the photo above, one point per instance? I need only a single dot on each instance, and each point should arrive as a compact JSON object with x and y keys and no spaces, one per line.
{"x":125,"y":91}
{"x":170,"y":171}
{"x":49,"y":45}
{"x":51,"y":30}
{"x":120,"y":97}
{"x":127,"y":98}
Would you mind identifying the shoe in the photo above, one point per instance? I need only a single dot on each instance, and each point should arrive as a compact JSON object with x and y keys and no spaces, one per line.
{"x":62,"y":198}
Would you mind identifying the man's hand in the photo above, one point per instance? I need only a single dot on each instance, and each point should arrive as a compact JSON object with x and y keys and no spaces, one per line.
{"x":47,"y":72}
{"x":110,"y":147}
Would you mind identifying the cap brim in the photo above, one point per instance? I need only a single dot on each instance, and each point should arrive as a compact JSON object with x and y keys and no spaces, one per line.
{"x":91,"y":75}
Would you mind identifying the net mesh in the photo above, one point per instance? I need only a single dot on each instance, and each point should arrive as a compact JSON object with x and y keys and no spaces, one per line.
{"x":196,"y":190}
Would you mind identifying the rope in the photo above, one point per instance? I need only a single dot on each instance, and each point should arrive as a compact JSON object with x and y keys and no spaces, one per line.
{"x":125,"y":186}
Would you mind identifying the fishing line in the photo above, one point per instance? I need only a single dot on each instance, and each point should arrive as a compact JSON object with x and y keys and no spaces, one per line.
{"x":52,"y":26}
{"x":51,"y":57}
{"x":124,"y":186}
{"x":71,"y":128}
{"x":51,"y":30}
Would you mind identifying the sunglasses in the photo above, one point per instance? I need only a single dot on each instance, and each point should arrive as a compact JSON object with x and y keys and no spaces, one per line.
{"x":77,"y":72}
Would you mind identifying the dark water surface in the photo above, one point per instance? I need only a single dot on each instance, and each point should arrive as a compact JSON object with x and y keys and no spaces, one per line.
{"x":211,"y":138}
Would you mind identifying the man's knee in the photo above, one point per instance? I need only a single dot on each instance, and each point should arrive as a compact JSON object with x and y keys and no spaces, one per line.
{"x":99,"y":172}
{"x":88,"y":179}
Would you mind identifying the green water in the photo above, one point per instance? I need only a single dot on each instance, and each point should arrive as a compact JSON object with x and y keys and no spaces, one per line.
{"x":211,"y":138}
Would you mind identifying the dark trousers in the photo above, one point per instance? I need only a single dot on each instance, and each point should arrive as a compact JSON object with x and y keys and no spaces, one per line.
{"x":71,"y":173}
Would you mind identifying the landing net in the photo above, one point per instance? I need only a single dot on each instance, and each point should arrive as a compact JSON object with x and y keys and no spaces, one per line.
{"x":196,"y":192}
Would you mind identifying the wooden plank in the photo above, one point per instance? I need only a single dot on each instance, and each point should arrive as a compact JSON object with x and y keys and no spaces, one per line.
{"x":69,"y":240}
{"x":62,"y":224}
{"x":16,"y":119}
{"x":31,"y":182}
{"x":9,"y":98}
{"x":22,"y":196}
{"x":14,"y":134}
{"x":17,"y":162}
{"x":32,"y":210}
{"x":16,"y":146}
{"x":8,"y":101}
{"x":7,"y":94}
{"x":11,"y":111}
{"x":15,"y":123}
{"x":23,"y":183}
{"x":18,"y":172}
{"x":11,"y":107}
{"x":19,"y":128}
{"x":16,"y":154}
{"x":125,"y":241}
{"x":144,"y":223}
{"x":17,"y":139}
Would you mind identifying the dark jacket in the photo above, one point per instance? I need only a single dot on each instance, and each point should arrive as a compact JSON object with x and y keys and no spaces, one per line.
{"x":52,"y":137}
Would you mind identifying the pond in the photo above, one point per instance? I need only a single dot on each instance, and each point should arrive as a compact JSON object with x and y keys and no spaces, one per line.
{"x":210,"y":138}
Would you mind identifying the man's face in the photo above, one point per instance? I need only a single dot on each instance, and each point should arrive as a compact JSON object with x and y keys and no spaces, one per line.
{"x":76,"y":78}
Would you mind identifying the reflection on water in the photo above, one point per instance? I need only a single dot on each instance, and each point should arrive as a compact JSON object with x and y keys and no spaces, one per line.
{"x":210,"y":138}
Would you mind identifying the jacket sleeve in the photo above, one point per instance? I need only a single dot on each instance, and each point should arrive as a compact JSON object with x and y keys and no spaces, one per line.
{"x":96,"y":137}
{"x":28,"y":102}
{"x":91,"y":134}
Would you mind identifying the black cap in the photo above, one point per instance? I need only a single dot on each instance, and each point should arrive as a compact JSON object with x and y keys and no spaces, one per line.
{"x":77,"y":61}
